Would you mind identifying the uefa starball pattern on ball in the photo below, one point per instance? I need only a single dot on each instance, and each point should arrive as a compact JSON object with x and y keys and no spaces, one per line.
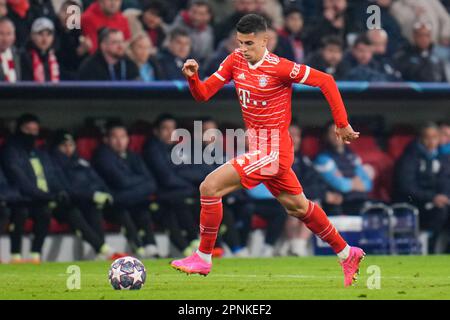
{"x":127,"y":273}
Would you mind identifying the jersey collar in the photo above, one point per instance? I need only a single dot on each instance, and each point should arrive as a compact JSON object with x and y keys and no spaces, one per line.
{"x":260,"y":62}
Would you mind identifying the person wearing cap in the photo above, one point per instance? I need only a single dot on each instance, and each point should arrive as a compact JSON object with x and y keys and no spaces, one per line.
{"x":38,"y":59}
{"x":86,"y":188}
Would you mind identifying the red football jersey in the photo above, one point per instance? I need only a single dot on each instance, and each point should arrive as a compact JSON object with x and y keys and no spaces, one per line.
{"x":265,"y":91}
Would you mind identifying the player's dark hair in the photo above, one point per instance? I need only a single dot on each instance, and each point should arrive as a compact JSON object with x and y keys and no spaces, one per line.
{"x":114,"y":124}
{"x":251,"y":23}
{"x":26,"y":118}
{"x":163,"y":117}
{"x":362,"y":39}
{"x":331,"y":41}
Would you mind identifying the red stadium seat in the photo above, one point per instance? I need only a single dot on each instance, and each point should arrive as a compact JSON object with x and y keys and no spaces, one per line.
{"x":310,"y":146}
{"x":258,"y":222}
{"x":137,"y":142}
{"x":364,"y":145}
{"x":86,"y":146}
{"x":397,"y":144}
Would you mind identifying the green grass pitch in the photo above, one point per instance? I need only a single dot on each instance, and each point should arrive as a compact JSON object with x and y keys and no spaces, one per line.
{"x":402,"y":277}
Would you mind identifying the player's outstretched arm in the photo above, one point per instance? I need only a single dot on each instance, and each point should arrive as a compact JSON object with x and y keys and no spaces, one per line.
{"x":201,"y":91}
{"x":327,"y":85}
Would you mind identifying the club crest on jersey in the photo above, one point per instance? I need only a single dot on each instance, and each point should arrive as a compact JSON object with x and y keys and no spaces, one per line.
{"x":263,"y":81}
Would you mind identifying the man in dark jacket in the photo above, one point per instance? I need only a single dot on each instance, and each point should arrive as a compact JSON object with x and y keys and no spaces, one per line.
{"x":175,"y":193}
{"x":87,"y":190}
{"x":419,"y":62}
{"x":172,"y":58}
{"x":38,"y":179}
{"x":110,"y":62}
{"x":360,"y":63}
{"x":9,"y":196}
{"x":329,"y":57}
{"x":132,"y":185}
{"x":423,"y":178}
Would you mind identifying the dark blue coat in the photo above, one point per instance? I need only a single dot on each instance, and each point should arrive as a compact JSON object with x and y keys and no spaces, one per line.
{"x":81,"y":179}
{"x":8,"y":193}
{"x":128,"y":178}
{"x":314,"y":186}
{"x":170,"y":66}
{"x":16,"y":163}
{"x":157,"y":155}
{"x":419,"y":176}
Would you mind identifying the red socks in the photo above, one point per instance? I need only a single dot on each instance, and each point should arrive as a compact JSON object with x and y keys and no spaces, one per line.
{"x":210,"y":219}
{"x":317,"y":221}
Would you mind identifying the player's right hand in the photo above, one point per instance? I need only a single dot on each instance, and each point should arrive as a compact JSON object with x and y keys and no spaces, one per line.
{"x":346,"y":134}
{"x":190,"y":68}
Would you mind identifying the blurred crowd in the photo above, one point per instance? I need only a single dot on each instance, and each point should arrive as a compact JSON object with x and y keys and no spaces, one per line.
{"x":128,"y":178}
{"x":147,"y":40}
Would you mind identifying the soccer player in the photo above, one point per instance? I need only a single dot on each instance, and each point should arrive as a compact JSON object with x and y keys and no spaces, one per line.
{"x":263,"y":84}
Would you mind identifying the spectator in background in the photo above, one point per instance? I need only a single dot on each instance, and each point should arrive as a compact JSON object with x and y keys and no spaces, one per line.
{"x":315,"y":188}
{"x":241,"y":8}
{"x":268,"y":207}
{"x":103,"y":14}
{"x":360,"y":63}
{"x":38,"y":61}
{"x":390,"y":24}
{"x":24,"y":12}
{"x":379,"y":40}
{"x":419,"y":62}
{"x":149,"y":20}
{"x":71,"y":46}
{"x":110,"y":62}
{"x":444,"y":142}
{"x":196,"y":21}
{"x":409,"y":12}
{"x":175,"y":54}
{"x":87,"y":190}
{"x":422,"y":177}
{"x":3,"y":8}
{"x":132,"y":185}
{"x":20,"y":159}
{"x":329,"y":58}
{"x":290,"y":36}
{"x":9,"y":56}
{"x":221,"y":9}
{"x":39,"y":180}
{"x":271,"y":9}
{"x":226,"y":47}
{"x":175,"y":193}
{"x":334,"y":20}
{"x":344,"y":173}
{"x":142,"y":52}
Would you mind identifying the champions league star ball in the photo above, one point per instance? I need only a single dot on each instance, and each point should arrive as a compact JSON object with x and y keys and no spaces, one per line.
{"x":127,"y":273}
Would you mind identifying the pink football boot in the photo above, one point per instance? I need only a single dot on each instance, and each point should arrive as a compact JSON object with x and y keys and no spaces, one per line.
{"x":350,"y":266}
{"x":192,"y":264}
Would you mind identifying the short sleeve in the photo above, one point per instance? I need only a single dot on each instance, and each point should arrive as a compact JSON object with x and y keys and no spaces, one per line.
{"x":225,"y":71}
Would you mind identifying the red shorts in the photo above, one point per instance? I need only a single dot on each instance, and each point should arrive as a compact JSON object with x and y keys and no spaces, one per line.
{"x":274,"y":170}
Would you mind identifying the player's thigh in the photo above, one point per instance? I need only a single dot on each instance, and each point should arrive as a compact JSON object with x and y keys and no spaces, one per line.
{"x":221,"y":181}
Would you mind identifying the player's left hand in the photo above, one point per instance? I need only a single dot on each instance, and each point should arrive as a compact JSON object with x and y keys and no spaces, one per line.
{"x":346,"y":134}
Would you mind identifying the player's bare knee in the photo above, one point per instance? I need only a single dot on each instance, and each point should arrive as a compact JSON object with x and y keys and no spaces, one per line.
{"x":209,"y":188}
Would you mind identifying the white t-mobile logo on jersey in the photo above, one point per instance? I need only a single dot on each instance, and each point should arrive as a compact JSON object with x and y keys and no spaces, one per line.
{"x":244,"y":96}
